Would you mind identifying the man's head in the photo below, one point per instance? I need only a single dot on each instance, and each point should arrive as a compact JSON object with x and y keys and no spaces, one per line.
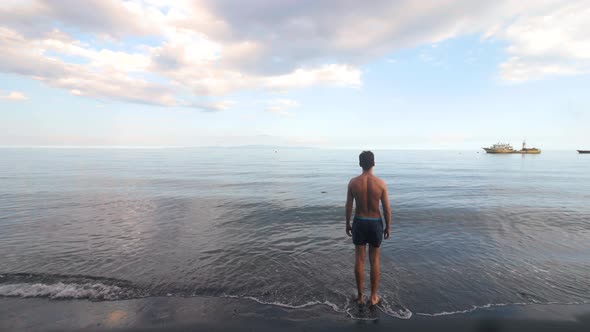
{"x":367,"y":160}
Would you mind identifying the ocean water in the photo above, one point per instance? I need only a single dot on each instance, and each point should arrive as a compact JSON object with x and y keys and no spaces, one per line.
{"x":469,"y":230}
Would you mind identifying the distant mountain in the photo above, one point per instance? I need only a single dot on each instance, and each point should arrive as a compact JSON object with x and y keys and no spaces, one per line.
{"x":260,"y":146}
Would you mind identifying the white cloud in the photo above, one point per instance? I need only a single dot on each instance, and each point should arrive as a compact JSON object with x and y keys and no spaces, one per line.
{"x":28,"y":57}
{"x":13,"y":96}
{"x":517,"y":69}
{"x":215,"y":47}
{"x":112,"y":18}
{"x":291,"y":34}
{"x":332,"y":74}
{"x":212,"y":106}
{"x":547,"y":45}
{"x":281,"y":107}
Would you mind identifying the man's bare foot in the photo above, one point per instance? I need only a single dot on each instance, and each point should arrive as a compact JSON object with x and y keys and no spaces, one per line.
{"x":360,"y":299}
{"x":374,"y":300}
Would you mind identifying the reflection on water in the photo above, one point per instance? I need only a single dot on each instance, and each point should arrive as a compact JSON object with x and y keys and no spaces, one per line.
{"x":468,"y":229}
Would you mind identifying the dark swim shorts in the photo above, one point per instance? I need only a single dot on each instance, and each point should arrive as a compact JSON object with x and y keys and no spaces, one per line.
{"x":367,"y":230}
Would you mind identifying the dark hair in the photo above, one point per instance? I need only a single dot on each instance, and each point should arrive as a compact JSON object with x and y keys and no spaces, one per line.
{"x":366,"y":160}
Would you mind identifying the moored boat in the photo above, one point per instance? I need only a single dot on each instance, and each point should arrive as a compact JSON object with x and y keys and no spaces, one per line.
{"x":500,"y":148}
{"x":583,"y":151}
{"x":507,"y":148}
{"x":528,"y":150}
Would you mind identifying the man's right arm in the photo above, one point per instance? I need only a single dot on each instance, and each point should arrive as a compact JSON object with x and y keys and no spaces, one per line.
{"x":386,"y":211}
{"x":348,"y":208}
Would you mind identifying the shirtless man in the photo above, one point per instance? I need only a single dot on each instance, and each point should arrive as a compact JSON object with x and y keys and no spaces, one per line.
{"x":367,"y":190}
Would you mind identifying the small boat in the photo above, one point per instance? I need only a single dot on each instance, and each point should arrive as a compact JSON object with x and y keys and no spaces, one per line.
{"x":499,"y":148}
{"x":583,"y":151}
{"x":507,"y":148}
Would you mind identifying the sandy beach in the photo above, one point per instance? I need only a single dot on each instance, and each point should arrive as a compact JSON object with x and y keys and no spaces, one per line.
{"x":225,"y":314}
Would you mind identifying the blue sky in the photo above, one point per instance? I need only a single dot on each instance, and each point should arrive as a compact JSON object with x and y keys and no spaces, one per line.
{"x":202,"y":73}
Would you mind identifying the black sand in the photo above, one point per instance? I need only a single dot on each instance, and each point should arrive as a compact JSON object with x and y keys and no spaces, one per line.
{"x":224,"y":314}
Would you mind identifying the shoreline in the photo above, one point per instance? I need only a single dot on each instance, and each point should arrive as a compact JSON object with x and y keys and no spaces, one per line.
{"x":234,"y":314}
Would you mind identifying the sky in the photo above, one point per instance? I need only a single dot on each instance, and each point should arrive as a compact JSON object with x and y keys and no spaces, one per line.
{"x":449,"y":74}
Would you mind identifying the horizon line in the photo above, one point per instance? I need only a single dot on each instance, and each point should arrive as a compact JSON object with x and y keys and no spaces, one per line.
{"x":238,"y":147}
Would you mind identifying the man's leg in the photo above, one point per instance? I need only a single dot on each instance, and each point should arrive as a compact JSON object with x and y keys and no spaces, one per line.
{"x":359,"y":265}
{"x":374,"y":259}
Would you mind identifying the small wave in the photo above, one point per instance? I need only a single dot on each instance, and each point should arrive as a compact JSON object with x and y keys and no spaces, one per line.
{"x":74,"y":287}
{"x":63,"y":287}
{"x":96,"y":291}
{"x":66,"y":287}
{"x":286,"y":305}
{"x":495,"y":305}
{"x":465,"y":311}
{"x":396,"y":311}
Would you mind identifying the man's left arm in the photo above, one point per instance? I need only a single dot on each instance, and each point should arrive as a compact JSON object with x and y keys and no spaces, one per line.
{"x":386,"y":211}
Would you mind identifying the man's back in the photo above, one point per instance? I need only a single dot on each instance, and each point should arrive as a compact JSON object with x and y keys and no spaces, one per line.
{"x":367,"y":191}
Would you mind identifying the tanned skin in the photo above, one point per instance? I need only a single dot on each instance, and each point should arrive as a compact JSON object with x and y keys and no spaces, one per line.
{"x":367,"y":190}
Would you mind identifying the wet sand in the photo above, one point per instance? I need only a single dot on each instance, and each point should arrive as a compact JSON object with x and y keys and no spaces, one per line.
{"x":225,"y":314}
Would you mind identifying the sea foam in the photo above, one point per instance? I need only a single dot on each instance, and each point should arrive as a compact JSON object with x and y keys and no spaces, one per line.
{"x":60,"y":290}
